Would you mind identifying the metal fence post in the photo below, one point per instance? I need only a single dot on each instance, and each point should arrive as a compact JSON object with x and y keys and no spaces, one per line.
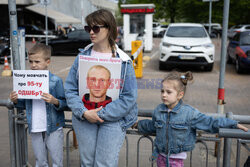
{"x":227,"y":146}
{"x":238,"y":153}
{"x":12,"y":138}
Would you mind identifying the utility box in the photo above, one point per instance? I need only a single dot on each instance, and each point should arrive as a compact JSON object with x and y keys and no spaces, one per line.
{"x":138,"y":22}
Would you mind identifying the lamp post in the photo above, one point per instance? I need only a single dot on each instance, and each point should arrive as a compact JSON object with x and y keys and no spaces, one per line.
{"x":45,"y":3}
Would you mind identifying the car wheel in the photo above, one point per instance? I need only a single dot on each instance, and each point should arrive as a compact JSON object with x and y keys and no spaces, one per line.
{"x":238,"y":67}
{"x":229,"y":59}
{"x":209,"y":67}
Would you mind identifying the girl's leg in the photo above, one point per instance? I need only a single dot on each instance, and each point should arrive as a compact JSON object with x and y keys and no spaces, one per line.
{"x":176,"y":162}
{"x":39,"y":148}
{"x":55,"y":147}
{"x":161,"y":161}
{"x":109,"y":142}
{"x":86,"y":134}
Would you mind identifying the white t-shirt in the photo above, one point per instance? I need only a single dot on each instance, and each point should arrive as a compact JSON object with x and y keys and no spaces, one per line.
{"x":39,"y":116}
{"x":100,"y":54}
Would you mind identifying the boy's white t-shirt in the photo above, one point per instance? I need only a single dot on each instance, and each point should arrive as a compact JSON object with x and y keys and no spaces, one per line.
{"x":39,"y":116}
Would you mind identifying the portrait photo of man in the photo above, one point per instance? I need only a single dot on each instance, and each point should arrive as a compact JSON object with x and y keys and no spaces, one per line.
{"x":98,"y":82}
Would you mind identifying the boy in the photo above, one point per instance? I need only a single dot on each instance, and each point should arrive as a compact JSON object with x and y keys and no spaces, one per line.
{"x":45,"y":116}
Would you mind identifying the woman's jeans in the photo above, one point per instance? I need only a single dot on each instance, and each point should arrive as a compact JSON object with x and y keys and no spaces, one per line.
{"x":99,"y":144}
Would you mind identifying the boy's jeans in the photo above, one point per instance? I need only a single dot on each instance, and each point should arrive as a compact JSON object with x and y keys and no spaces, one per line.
{"x":42,"y":142}
{"x":99,"y":145}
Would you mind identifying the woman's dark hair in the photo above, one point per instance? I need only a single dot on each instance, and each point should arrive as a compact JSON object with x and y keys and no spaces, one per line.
{"x":181,"y":79}
{"x":106,"y":18}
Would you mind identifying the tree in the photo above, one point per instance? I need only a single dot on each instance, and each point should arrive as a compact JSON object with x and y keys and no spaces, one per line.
{"x":197,"y":11}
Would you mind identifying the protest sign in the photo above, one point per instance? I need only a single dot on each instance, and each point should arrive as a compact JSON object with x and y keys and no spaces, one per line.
{"x":99,"y":65}
{"x":30,"y":84}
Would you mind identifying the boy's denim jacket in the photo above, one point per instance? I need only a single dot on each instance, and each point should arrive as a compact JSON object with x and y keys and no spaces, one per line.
{"x":55,"y":115}
{"x":124,"y":109}
{"x":176,"y":130}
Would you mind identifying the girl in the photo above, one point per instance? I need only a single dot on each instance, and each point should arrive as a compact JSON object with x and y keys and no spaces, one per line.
{"x":175,"y":123}
{"x":101,"y":131}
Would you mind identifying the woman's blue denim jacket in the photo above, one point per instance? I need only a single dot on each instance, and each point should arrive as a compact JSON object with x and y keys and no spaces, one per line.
{"x":124,"y":109}
{"x":176,"y":130}
{"x":55,"y":115}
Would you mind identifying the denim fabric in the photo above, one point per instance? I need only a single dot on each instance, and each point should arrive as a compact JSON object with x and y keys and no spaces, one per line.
{"x":124,"y":109}
{"x":99,"y":145}
{"x":178,"y":127}
{"x":55,"y":115}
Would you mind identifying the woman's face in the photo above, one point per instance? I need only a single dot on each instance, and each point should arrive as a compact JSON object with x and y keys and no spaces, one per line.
{"x":99,"y":37}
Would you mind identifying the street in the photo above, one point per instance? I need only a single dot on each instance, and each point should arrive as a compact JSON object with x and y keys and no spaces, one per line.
{"x":201,"y":94}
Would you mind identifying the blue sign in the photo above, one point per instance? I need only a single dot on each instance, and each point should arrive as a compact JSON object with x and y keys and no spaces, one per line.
{"x":14,"y":32}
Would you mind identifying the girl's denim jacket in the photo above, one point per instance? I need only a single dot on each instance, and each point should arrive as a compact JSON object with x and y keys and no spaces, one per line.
{"x":55,"y":115}
{"x":124,"y":109}
{"x":176,"y":130}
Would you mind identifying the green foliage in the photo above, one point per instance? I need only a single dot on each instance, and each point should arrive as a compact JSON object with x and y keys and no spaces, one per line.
{"x":197,"y":11}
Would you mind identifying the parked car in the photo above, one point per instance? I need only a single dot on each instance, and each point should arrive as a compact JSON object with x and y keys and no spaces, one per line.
{"x":4,"y":32}
{"x":34,"y":30}
{"x":237,"y":28}
{"x":216,"y":29}
{"x":70,"y":43}
{"x":156,"y":29}
{"x":163,"y":30}
{"x":238,"y":51}
{"x":4,"y":49}
{"x":186,"y":44}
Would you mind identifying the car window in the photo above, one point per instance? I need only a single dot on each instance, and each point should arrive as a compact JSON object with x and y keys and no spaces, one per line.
{"x":238,"y":26}
{"x":164,"y":26}
{"x":245,"y":39}
{"x":84,"y":35}
{"x":186,"y":31}
{"x":236,"y":37}
{"x":247,"y":27}
{"x":155,"y":25}
{"x":74,"y":34}
{"x":78,"y":35}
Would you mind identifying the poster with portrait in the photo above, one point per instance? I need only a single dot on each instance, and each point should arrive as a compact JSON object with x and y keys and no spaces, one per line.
{"x":99,"y":76}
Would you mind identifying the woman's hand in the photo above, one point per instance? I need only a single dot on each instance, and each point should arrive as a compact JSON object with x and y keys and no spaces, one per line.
{"x":50,"y":99}
{"x":13,"y":97}
{"x":242,"y":127}
{"x":91,"y":115}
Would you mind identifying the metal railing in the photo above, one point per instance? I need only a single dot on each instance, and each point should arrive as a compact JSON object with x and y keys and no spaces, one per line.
{"x":19,"y":144}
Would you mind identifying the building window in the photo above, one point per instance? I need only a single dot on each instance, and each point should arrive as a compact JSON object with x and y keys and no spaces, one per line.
{"x":137,"y":23}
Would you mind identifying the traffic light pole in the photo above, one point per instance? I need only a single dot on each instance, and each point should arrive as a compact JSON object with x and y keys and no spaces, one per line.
{"x":221,"y":89}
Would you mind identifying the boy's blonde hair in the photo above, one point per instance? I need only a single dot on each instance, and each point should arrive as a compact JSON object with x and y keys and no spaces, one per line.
{"x":45,"y":50}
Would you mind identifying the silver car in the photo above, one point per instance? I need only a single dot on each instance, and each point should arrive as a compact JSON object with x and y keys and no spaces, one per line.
{"x":237,"y":28}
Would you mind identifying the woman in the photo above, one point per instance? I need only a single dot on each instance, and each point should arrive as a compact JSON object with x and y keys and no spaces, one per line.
{"x":101,"y":131}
